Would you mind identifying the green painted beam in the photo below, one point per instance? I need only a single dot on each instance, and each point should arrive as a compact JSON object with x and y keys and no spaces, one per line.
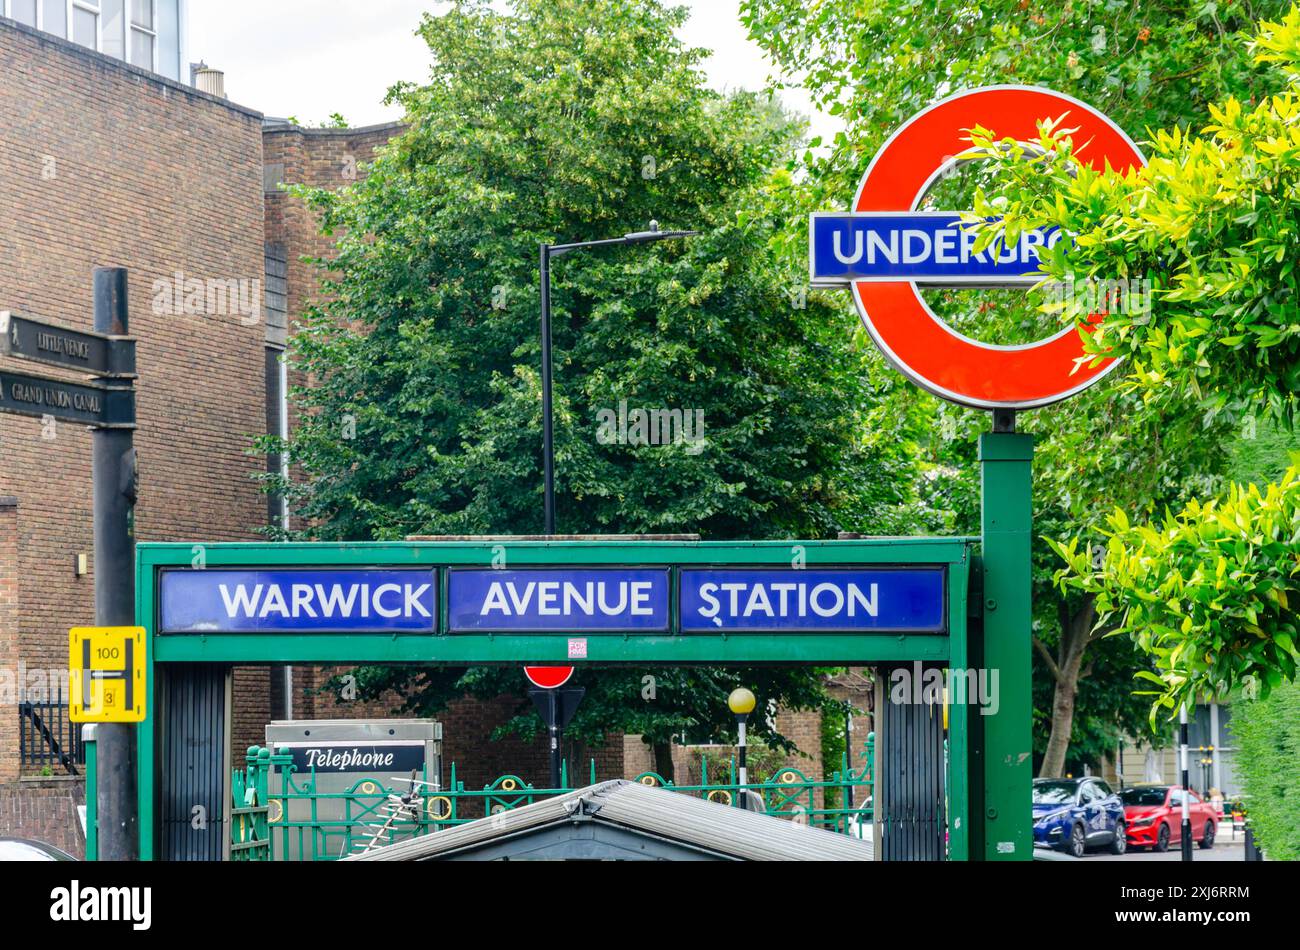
{"x":506,"y":553}
{"x":514,"y":649}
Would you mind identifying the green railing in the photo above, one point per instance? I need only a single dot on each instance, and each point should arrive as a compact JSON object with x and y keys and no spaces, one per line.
{"x":289,"y":818}
{"x":250,"y":835}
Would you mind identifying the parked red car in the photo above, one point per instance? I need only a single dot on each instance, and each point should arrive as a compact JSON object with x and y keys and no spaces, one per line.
{"x":1153,"y":815}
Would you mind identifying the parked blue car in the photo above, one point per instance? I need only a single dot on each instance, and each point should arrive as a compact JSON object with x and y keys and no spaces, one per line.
{"x":1075,"y":814}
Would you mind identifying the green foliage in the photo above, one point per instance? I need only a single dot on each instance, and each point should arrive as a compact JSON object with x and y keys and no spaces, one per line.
{"x":1210,"y":222}
{"x":1263,"y":452}
{"x":1268,"y":762}
{"x":658,"y":703}
{"x":1106,"y":711}
{"x":1207,"y":590}
{"x":834,"y":743}
{"x":568,"y":120}
{"x":574,"y":120}
{"x":875,"y":64}
{"x":1210,"y":592}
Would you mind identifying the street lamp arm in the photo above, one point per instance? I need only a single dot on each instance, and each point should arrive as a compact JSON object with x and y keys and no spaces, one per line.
{"x":635,"y":237}
{"x":548,"y":436}
{"x":555,"y":250}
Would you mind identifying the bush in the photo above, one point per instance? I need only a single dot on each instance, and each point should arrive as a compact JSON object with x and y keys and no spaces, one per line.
{"x":1268,"y":731}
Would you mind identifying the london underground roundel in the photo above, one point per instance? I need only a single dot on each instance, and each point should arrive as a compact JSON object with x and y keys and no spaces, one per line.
{"x":884,"y":249}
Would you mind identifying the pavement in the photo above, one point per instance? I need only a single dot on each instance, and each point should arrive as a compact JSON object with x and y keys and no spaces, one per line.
{"x":1225,"y":849}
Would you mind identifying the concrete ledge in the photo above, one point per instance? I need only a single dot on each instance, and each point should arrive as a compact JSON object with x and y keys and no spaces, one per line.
{"x":48,"y":781}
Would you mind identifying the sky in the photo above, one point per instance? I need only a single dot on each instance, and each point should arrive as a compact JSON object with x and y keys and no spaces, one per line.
{"x":312,"y":58}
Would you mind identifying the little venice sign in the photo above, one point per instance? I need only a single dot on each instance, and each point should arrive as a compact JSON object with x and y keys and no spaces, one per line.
{"x":660,"y":600}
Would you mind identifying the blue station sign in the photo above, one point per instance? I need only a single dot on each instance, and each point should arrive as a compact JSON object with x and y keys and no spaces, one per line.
{"x":298,"y":601}
{"x":837,"y":600}
{"x":558,"y":601}
{"x":568,"y":601}
{"x":553,"y":600}
{"x":920,"y":246}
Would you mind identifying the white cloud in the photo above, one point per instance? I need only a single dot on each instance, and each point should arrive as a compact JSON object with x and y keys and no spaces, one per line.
{"x":311,"y":58}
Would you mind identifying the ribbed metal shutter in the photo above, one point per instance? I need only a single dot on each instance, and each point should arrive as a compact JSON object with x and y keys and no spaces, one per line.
{"x":193,"y":761}
{"x":910,"y":773}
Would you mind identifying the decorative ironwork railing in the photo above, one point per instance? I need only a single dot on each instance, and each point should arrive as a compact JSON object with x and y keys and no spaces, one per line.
{"x":281,"y":814}
{"x":250,"y":834}
{"x":47,"y":738}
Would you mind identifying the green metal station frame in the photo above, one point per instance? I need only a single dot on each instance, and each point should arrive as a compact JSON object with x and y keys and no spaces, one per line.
{"x":987,"y":591}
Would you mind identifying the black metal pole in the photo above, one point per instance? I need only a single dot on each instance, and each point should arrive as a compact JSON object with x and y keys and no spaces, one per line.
{"x":114,"y":497}
{"x":1187,"y":819}
{"x":548,"y":435}
{"x":848,"y":752}
{"x":553,"y":727}
{"x":741,"y":719}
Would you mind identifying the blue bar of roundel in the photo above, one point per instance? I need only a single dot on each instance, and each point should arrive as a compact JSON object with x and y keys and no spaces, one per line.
{"x":780,"y":601}
{"x":557,"y":601}
{"x":298,"y":601}
{"x":925,"y":246}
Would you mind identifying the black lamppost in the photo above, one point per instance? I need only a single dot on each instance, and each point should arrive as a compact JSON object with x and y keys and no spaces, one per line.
{"x":555,"y":250}
{"x":1187,"y":820}
{"x":741,"y":702}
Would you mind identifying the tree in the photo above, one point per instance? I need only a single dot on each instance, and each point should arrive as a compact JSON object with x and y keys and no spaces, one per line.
{"x":564,"y":120}
{"x":1209,"y":590}
{"x":877,"y":64}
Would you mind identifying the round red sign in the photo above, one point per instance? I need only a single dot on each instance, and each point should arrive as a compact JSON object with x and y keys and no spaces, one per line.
{"x":548,"y":677}
{"x":908,"y":332}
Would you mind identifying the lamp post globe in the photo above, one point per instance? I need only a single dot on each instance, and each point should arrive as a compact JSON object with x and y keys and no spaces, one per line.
{"x":741,"y":701}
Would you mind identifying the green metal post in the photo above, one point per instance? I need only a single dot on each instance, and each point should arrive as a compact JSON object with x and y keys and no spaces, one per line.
{"x":1004,"y":755}
{"x":92,"y":775}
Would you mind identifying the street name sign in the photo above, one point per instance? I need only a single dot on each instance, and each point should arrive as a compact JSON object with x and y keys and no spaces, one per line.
{"x":884,"y":248}
{"x":106,"y":674}
{"x":53,"y":345}
{"x":86,"y":403}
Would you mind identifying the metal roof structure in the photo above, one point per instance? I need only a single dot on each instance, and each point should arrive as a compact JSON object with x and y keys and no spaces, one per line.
{"x":629,"y":820}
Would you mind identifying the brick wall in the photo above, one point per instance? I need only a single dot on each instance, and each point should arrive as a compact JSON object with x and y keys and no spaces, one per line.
{"x":321,"y":158}
{"x":106,"y":165}
{"x":44,"y":810}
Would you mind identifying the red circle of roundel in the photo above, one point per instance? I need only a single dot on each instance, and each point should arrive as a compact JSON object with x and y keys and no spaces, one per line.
{"x":548,"y":677}
{"x":911,"y":336}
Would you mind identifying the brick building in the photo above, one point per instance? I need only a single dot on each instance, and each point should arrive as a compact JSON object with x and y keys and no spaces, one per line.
{"x":109,"y":159}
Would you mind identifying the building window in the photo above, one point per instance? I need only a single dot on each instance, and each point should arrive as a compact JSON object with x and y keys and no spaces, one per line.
{"x":144,"y":34}
{"x":83,"y":16}
{"x":24,"y":11}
